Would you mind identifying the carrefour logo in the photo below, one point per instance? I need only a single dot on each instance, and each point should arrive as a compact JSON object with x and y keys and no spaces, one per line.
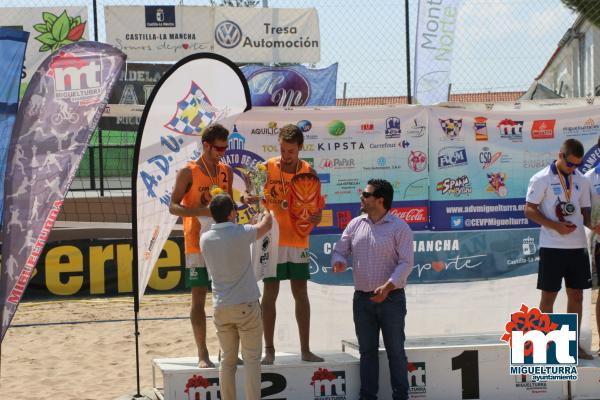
{"x":228,"y":34}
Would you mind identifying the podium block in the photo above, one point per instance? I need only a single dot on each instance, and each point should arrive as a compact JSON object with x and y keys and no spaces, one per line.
{"x":587,"y":386}
{"x":289,"y":378}
{"x":462,"y":367}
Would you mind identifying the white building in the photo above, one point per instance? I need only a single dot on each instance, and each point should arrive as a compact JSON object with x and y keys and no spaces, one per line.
{"x":574,"y":68}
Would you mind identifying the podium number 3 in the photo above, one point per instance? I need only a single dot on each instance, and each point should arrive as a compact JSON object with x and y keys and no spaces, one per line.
{"x":468,"y":363}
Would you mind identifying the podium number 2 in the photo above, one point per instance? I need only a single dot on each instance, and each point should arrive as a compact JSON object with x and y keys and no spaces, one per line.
{"x":468,"y":363}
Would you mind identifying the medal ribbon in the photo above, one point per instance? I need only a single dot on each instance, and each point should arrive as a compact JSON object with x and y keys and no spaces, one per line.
{"x":214,"y":182}
{"x":566,"y":185}
{"x":281,"y":177}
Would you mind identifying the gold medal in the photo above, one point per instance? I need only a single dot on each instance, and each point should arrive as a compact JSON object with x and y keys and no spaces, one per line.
{"x":213,"y":187}
{"x":284,"y":204}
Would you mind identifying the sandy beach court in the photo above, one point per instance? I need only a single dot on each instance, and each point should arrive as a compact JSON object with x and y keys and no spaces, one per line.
{"x":96,"y":360}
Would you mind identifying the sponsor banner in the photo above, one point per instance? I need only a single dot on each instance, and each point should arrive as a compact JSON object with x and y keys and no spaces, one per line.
{"x":133,"y":88}
{"x":159,"y":33}
{"x":443,"y":257}
{"x":484,"y":160}
{"x":434,"y":47}
{"x":346,"y":147}
{"x":62,"y":106}
{"x":185,"y":101}
{"x":102,"y":268}
{"x":267,"y":35}
{"x":242,"y":34}
{"x":293,"y":86}
{"x":483,"y":214}
{"x":50,"y":29}
{"x":12,"y":47}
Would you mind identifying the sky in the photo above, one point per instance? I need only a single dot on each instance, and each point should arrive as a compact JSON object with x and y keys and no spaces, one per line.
{"x":500,"y":45}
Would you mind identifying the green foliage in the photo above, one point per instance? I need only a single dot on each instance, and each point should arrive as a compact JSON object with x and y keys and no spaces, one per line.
{"x":58,"y":31}
{"x":589,"y":9}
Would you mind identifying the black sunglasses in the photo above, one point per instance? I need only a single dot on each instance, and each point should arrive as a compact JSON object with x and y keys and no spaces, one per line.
{"x":569,"y":163}
{"x":366,"y":195}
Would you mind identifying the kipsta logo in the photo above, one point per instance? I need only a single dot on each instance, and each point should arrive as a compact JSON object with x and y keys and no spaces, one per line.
{"x":201,"y":388}
{"x":228,"y":34}
{"x":392,"y":128}
{"x":329,"y":385}
{"x":542,"y":345}
{"x":451,"y":127}
{"x":336,"y":127}
{"x":160,"y":16}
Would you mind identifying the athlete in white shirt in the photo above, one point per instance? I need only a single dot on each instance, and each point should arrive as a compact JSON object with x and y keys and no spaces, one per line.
{"x":593,"y":178}
{"x":558,"y":199}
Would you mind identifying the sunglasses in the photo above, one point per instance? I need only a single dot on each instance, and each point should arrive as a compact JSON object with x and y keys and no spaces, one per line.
{"x":366,"y":195}
{"x":220,"y":149}
{"x":569,"y":163}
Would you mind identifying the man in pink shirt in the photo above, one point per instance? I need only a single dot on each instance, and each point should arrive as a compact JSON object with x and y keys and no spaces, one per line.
{"x":381,"y":246}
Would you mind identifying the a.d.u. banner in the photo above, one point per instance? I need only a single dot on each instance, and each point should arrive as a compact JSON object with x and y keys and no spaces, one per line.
{"x":60,"y":111}
{"x":199,"y":90}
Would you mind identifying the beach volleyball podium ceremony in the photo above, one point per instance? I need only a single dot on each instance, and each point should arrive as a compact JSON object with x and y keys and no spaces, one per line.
{"x":300,"y":199}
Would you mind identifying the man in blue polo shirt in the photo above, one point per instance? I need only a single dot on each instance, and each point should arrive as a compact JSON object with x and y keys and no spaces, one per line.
{"x":237,"y":313}
{"x":558,"y":199}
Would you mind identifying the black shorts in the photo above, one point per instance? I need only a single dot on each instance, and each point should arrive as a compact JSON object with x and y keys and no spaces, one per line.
{"x":571,"y":264}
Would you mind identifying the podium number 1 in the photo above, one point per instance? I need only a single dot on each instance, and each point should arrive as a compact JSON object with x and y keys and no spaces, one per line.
{"x":468,"y":363}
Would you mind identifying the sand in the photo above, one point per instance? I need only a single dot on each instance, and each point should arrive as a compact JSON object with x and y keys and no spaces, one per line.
{"x":96,"y":360}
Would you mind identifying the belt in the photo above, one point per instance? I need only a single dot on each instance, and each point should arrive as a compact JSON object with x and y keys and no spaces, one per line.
{"x":372,"y":293}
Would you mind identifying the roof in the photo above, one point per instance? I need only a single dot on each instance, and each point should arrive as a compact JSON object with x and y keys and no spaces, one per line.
{"x":481,"y":97}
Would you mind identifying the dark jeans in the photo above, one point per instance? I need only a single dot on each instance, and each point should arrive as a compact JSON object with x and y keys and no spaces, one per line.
{"x":369,"y":319}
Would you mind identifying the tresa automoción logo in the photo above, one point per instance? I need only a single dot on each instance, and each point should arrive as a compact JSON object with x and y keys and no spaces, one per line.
{"x":228,"y":34}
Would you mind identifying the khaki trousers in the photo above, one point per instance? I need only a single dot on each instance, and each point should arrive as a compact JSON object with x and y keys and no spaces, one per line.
{"x":235,"y":324}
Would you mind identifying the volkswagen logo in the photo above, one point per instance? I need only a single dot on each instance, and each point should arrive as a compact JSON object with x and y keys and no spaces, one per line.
{"x":228,"y":34}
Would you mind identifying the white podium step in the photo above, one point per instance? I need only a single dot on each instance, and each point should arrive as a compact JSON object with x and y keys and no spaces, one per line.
{"x":289,"y":378}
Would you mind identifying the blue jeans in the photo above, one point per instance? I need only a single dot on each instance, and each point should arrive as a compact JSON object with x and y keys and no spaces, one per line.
{"x":369,"y":319}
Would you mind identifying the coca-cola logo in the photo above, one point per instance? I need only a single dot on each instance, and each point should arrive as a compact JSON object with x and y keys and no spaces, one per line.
{"x":282,"y":87}
{"x":411,"y":215}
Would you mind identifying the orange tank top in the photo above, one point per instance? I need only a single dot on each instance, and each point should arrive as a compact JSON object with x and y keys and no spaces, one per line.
{"x":199,"y":194}
{"x":274,"y":195}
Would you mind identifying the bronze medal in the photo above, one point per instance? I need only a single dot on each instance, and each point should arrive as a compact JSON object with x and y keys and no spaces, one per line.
{"x":284,"y":204}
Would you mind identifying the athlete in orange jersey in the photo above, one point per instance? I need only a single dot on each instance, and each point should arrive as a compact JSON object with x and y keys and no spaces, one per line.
{"x":293,"y":258}
{"x":189,"y":200}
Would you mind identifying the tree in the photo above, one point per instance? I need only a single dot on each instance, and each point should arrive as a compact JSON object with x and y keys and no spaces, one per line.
{"x":589,"y":9}
{"x":235,"y":3}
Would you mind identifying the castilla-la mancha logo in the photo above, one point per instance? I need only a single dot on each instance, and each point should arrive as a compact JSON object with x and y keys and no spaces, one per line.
{"x":329,"y":385}
{"x":543,"y":346}
{"x":201,"y":388}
